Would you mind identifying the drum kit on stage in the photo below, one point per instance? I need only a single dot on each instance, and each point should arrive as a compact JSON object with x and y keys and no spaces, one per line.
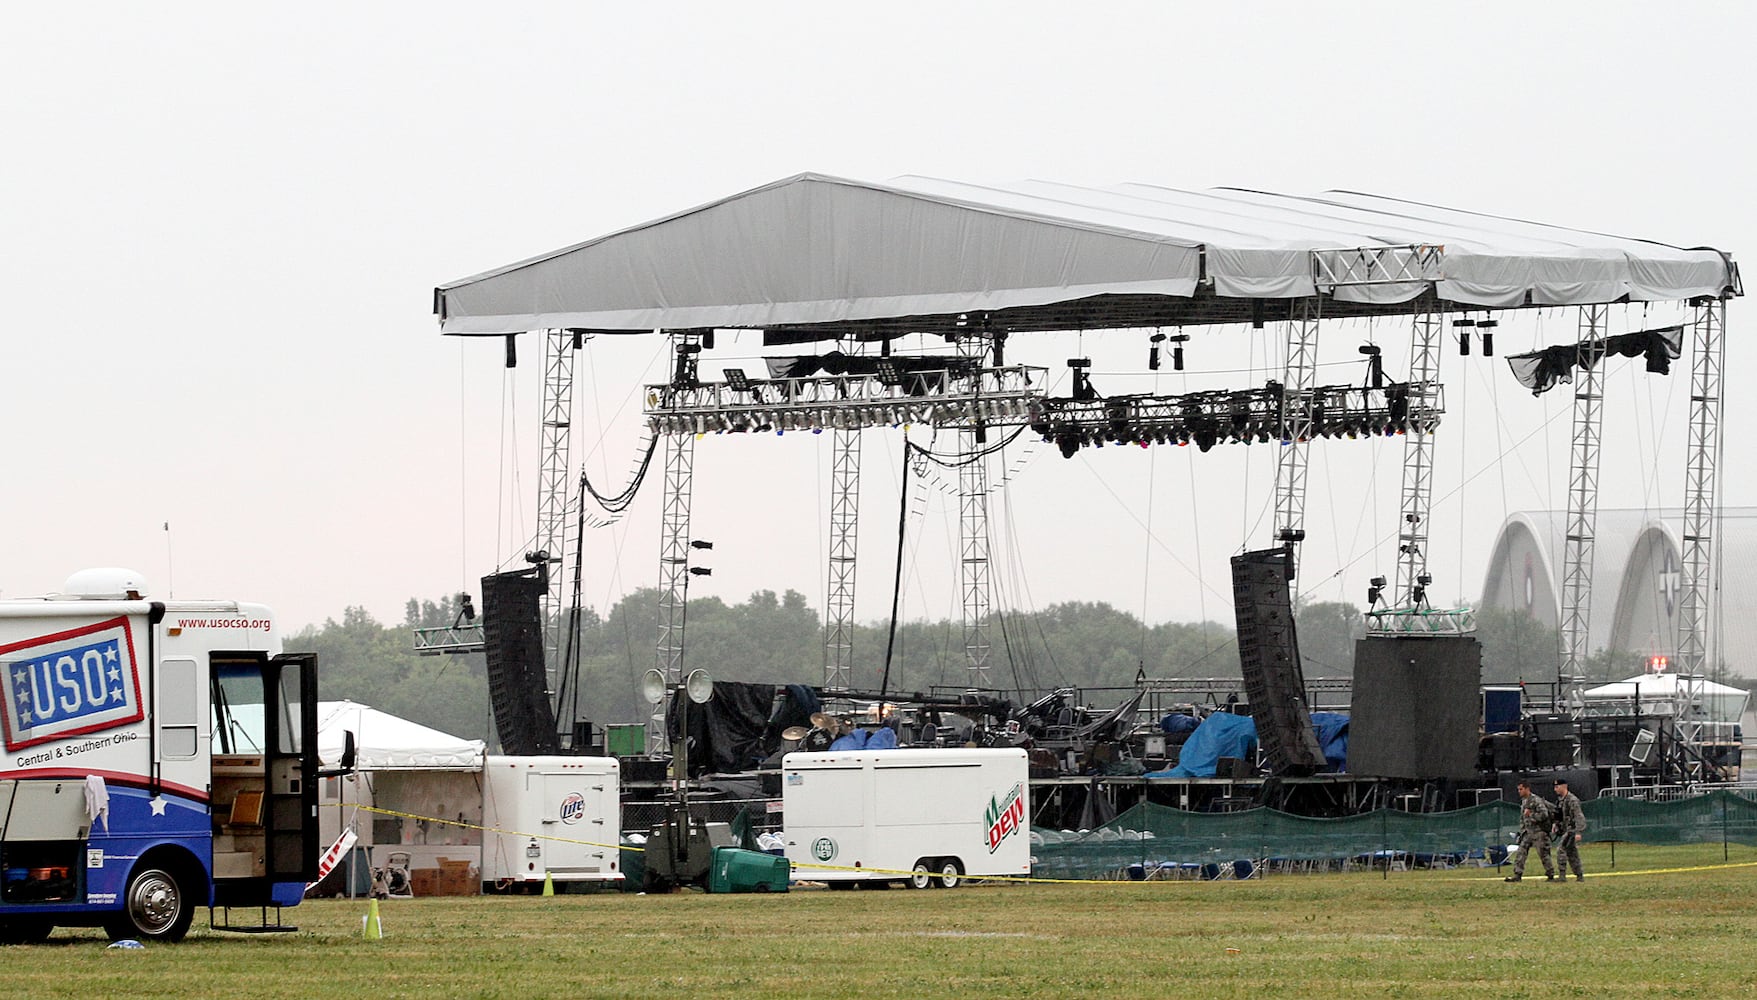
{"x":819,"y":735}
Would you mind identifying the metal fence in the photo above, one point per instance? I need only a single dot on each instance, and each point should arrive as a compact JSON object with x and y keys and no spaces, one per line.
{"x":640,"y":817}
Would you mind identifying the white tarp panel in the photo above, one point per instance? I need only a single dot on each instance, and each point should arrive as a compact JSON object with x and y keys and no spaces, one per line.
{"x":387,"y":742}
{"x":816,"y":249}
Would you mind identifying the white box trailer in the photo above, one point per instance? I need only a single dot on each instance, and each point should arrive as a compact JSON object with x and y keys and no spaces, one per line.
{"x":922,"y":817}
{"x":554,"y":817}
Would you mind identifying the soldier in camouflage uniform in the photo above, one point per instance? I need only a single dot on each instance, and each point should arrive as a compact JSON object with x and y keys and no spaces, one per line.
{"x":1534,"y":831}
{"x":1570,"y":830}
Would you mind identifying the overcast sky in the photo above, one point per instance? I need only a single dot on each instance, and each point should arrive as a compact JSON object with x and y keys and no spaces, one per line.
{"x":222,"y":226}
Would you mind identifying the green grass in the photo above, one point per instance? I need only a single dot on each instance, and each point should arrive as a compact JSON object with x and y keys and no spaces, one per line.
{"x":1456,"y":933}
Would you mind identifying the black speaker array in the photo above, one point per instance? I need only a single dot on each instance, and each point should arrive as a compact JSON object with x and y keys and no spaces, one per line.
{"x":1268,"y":652}
{"x":512,"y":634}
{"x":1417,"y":711}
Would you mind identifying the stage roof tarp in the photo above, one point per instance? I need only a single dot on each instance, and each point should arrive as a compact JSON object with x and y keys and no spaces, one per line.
{"x":814,"y":251}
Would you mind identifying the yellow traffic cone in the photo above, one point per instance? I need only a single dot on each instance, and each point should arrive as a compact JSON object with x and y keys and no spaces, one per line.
{"x":548,"y":885}
{"x":374,"y":929}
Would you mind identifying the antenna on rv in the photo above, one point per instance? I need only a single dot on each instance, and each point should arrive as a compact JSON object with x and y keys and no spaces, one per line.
{"x":170,"y":576}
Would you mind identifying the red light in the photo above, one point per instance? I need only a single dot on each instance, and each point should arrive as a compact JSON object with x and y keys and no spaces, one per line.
{"x":1658,"y":664}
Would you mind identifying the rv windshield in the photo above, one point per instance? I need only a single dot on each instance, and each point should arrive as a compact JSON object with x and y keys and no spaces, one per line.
{"x":238,"y":709}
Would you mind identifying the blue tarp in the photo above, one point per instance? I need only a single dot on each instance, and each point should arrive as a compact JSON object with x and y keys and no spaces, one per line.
{"x":1177,"y":722}
{"x":1332,"y":730}
{"x":1220,"y":735}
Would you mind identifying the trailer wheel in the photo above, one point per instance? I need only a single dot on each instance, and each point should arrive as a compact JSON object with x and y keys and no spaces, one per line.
{"x":155,"y":907}
{"x":921,"y":877}
{"x":951,"y":873}
{"x":25,"y":931}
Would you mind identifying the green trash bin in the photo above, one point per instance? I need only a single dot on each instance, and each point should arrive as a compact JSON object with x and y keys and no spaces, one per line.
{"x":738,"y":870}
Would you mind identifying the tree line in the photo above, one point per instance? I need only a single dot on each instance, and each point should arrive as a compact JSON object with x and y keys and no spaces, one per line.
{"x":770,"y":638}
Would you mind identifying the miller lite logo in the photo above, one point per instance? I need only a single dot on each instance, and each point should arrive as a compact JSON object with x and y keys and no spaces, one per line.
{"x":1005,"y":816}
{"x":79,"y":681}
{"x":573,"y":807}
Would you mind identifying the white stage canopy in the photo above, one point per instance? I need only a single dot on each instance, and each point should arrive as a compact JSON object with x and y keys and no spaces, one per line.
{"x":817,"y":251}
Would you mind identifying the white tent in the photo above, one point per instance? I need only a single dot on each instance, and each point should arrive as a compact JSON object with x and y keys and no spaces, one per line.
{"x":1665,"y":694}
{"x":385,"y":742}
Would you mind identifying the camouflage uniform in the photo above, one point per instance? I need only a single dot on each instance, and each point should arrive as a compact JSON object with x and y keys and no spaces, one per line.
{"x":1570,"y":822}
{"x":1534,"y":831}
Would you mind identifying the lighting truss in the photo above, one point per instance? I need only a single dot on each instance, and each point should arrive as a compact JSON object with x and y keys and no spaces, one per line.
{"x":1236,"y":416}
{"x":985,"y":397}
{"x":1378,"y":265}
{"x":1421,"y":621}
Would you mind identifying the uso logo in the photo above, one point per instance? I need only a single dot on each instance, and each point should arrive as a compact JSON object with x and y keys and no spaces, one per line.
{"x":573,"y":807}
{"x":79,"y":681}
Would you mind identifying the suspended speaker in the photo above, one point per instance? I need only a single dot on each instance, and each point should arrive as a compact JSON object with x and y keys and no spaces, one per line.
{"x":1268,"y":652}
{"x":512,"y":634}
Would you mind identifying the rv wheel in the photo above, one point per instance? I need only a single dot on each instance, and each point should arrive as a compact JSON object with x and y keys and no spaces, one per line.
{"x":921,"y":877}
{"x":951,"y":873}
{"x":154,"y":907}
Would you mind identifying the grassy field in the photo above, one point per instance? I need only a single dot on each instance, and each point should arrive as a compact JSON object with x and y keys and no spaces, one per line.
{"x":1651,"y":928}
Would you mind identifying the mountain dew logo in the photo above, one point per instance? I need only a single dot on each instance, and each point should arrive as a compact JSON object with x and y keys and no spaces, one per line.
{"x":1005,"y":816}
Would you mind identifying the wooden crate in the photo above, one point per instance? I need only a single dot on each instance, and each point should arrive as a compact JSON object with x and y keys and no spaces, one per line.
{"x":424,"y":881}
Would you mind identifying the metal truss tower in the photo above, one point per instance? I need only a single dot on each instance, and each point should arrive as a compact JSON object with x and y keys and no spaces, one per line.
{"x":844,"y":522}
{"x":673,"y":569}
{"x":1296,"y":420}
{"x":1418,"y":452}
{"x":1708,"y":327}
{"x":973,"y":538}
{"x":1582,"y":499}
{"x":554,"y":486}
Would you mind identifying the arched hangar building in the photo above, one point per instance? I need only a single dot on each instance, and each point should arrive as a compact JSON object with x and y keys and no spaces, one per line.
{"x":1636,"y":580}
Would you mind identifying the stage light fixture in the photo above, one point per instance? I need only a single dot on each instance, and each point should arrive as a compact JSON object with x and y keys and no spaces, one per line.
{"x":1375,"y":366}
{"x":1153,"y":351}
{"x":1375,"y":590}
{"x":736,"y":378}
{"x":1487,"y":329}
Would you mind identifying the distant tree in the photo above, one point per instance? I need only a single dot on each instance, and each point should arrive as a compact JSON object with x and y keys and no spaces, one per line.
{"x":1327,"y":633}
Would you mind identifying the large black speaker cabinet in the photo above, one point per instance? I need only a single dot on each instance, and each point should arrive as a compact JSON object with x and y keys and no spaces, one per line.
{"x":512,"y":639}
{"x":1268,"y":653}
{"x":1417,"y":706}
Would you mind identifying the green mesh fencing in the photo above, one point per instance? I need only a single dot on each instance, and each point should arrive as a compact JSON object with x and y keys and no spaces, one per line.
{"x":1155,"y":841}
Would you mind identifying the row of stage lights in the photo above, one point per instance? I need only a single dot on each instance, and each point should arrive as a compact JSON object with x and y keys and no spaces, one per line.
{"x":1207,"y":419}
{"x":844,"y":416}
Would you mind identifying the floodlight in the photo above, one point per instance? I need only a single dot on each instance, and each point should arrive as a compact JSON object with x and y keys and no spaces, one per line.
{"x":653,"y":686}
{"x":736,"y":378}
{"x":699,"y":686}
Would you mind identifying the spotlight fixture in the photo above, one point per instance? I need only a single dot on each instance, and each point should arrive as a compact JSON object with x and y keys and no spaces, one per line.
{"x":1487,"y":328}
{"x":1419,"y":595}
{"x":466,"y":611}
{"x":1375,"y":590}
{"x":1177,"y":350}
{"x":1153,"y":351}
{"x":736,"y":378}
{"x":1375,"y":366}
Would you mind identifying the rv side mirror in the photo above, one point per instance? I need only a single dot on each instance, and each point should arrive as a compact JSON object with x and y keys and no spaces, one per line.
{"x":348,"y":756}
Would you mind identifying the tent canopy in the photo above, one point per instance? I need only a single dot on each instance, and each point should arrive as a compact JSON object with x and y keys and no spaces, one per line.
{"x":1716,"y":702}
{"x":916,"y":254}
{"x":386,"y":742}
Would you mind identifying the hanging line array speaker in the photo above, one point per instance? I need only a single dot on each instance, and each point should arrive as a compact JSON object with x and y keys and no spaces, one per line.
{"x":1268,"y":652}
{"x":512,"y":639}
